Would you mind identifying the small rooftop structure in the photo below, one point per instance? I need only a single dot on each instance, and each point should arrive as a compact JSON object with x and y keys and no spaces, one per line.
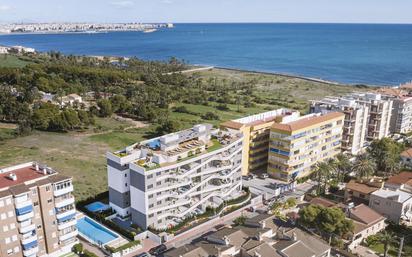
{"x":23,"y":173}
{"x":399,"y":196}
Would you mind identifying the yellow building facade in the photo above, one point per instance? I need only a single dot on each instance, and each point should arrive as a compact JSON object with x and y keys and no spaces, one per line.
{"x":297,"y":145}
{"x":256,"y":131}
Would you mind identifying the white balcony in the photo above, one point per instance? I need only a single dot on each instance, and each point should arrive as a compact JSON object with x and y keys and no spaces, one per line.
{"x":64,"y":202}
{"x":23,"y":204}
{"x":25,"y":216}
{"x":29,"y":239}
{"x":67,"y":224}
{"x":31,"y":252}
{"x":66,"y":213}
{"x":25,"y":229}
{"x":59,"y":192}
{"x":68,"y":235}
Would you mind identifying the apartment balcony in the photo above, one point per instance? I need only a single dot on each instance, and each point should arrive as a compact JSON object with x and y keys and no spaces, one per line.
{"x":66,"y":214}
{"x":64,"y":202}
{"x":27,"y":228}
{"x":25,"y":216}
{"x":66,"y":224}
{"x":66,"y":236}
{"x":31,"y":252}
{"x":23,"y":204}
{"x":62,"y":191}
{"x":29,"y":241}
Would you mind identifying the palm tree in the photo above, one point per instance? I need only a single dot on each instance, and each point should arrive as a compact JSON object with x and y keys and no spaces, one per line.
{"x":364,"y":166}
{"x":343,"y":165}
{"x":322,"y":173}
{"x":387,"y":238}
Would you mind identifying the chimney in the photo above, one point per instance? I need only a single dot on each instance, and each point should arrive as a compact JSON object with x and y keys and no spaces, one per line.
{"x":36,"y":166}
{"x":263,"y":224}
{"x":45,"y":170}
{"x":12,"y":176}
{"x":226,"y":239}
{"x":294,"y":237}
{"x":260,"y":236}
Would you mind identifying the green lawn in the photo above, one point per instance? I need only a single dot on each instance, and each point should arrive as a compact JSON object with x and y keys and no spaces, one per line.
{"x":12,"y":61}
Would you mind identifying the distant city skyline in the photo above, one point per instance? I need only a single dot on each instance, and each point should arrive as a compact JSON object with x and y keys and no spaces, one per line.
{"x":187,"y":11}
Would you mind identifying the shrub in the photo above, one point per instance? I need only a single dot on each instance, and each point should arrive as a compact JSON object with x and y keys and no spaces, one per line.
{"x":210,"y":116}
{"x":77,"y":248}
{"x":88,"y":254}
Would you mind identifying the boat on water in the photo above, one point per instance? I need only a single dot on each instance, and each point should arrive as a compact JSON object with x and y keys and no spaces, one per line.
{"x":149,"y":30}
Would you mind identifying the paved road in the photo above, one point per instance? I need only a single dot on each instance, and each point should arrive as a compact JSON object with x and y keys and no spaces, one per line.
{"x":364,"y":251}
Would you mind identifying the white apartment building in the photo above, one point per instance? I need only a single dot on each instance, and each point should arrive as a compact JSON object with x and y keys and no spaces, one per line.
{"x":367,"y":117}
{"x":355,"y":125}
{"x":395,"y":205}
{"x":161,"y":181}
{"x":401,"y":121}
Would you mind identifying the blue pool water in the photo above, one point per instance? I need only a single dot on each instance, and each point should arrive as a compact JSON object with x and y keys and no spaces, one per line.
{"x":97,"y":207}
{"x":95,"y":231}
{"x":376,"y":54}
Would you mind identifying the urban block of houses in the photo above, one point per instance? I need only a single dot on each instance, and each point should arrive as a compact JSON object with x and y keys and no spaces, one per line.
{"x":256,"y":130}
{"x":162,"y":181}
{"x":359,"y":191}
{"x":37,"y":212}
{"x":298,"y":143}
{"x":402,"y":181}
{"x":260,"y":236}
{"x":67,"y":100}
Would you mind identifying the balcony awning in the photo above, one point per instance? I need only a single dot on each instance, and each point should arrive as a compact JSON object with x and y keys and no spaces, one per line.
{"x":24,"y":210}
{"x":66,"y":218}
{"x":30,"y":245}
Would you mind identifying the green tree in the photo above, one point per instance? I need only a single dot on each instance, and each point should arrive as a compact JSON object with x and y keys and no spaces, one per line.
{"x":166,"y":127}
{"x":309,"y":214}
{"x":386,"y":153}
{"x":105,"y":107}
{"x":386,"y":238}
{"x":322,"y":173}
{"x":364,"y":166}
{"x":342,"y":166}
{"x":210,"y":116}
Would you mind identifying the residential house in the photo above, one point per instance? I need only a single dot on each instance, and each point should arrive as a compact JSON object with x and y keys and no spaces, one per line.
{"x":359,"y":191}
{"x":395,"y":205}
{"x":367,"y":222}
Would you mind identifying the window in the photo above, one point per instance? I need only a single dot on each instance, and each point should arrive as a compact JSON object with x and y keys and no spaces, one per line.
{"x":36,"y":203}
{"x":159,"y":221}
{"x":12,"y":226}
{"x":125,"y":175}
{"x":159,"y":202}
{"x":49,"y":200}
{"x":3,"y":216}
{"x":158,"y":183}
{"x":151,"y":215}
{"x":1,"y":203}
{"x":8,"y":201}
{"x":158,"y":193}
{"x":34,"y":191}
{"x":10,"y":214}
{"x":9,"y":251}
{"x":16,"y":249}
{"x":14,"y":238}
{"x":151,"y":196}
{"x":150,"y":205}
{"x":150,"y":186}
{"x":150,"y":176}
{"x":158,"y":173}
{"x":125,"y":184}
{"x":47,"y":188}
{"x":7,"y":240}
{"x":5,"y":228}
{"x":38,"y":226}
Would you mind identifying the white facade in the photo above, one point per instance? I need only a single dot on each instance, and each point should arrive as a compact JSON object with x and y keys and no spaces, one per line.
{"x":402,"y":115}
{"x":355,"y":124}
{"x":162,"y":181}
{"x":395,"y":205}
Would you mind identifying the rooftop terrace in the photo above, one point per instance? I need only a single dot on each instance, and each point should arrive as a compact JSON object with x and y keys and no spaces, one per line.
{"x":22,"y":174}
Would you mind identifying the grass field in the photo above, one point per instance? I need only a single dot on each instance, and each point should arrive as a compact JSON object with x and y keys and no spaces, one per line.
{"x":12,"y":61}
{"x":82,"y":154}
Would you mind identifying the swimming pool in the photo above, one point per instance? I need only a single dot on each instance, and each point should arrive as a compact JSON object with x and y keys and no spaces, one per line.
{"x":97,"y":207}
{"x":95,"y":232}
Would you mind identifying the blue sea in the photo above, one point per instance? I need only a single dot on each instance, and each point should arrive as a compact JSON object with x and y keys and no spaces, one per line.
{"x":347,"y":53}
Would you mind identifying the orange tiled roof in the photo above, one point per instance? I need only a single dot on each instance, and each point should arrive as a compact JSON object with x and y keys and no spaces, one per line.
{"x":364,"y":214}
{"x":306,"y":122}
{"x":402,"y":178}
{"x":232,"y":124}
{"x":322,"y":201}
{"x":360,"y":187}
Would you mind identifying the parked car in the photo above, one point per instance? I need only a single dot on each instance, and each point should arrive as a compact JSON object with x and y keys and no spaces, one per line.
{"x":247,"y":178}
{"x":264,"y":176}
{"x":158,"y":250}
{"x":143,"y":255}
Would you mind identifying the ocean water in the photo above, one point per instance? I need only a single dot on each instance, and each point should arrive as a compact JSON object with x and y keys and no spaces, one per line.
{"x":347,"y":53}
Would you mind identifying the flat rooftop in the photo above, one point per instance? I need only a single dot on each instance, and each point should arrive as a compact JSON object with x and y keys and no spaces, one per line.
{"x":307,"y":121}
{"x":395,"y":195}
{"x":259,"y":118}
{"x":22,"y":174}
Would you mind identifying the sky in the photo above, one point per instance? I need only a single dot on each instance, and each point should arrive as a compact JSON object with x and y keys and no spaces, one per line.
{"x":339,"y":11}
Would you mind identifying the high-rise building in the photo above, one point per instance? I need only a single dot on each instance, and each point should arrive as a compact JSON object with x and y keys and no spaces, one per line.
{"x":161,"y":181}
{"x":256,"y":129}
{"x":367,"y":117}
{"x":355,"y":125}
{"x":297,"y":145}
{"x":37,"y":212}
